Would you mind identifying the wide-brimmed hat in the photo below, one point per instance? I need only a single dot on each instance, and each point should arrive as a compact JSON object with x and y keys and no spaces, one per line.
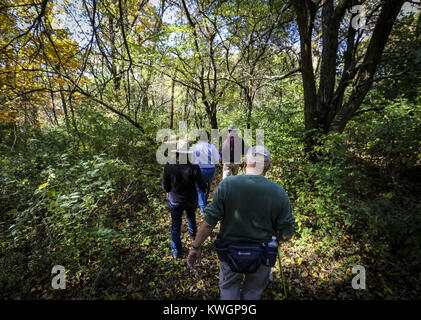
{"x":182,"y":147}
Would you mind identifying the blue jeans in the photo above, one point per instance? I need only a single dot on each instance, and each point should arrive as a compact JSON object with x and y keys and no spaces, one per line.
{"x":207,"y":176}
{"x":176,"y":217}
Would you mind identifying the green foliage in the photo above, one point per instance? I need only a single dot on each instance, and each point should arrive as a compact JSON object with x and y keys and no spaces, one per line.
{"x":361,"y":188}
{"x":391,"y":137}
{"x":80,"y":185}
{"x":58,"y":206}
{"x":97,"y":207}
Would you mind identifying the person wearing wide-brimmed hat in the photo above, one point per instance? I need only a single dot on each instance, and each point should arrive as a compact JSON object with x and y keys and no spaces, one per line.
{"x":179,"y":181}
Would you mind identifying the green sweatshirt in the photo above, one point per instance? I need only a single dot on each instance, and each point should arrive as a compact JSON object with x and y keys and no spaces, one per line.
{"x":251,"y":208}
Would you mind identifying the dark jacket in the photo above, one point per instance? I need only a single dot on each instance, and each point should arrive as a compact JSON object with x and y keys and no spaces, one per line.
{"x":179,"y":180}
{"x":229,"y":153}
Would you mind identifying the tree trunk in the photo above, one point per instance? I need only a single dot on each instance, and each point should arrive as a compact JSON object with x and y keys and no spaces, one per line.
{"x":366,"y":72}
{"x":324,"y":109}
{"x":306,"y":11}
{"x":172,"y":104}
{"x":64,"y":105}
{"x":53,"y":107}
{"x":213,"y":120}
{"x":211,"y":112}
{"x":249,"y":108}
{"x":186,"y":105}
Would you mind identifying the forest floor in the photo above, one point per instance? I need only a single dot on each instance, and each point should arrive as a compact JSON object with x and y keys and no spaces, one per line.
{"x":313,"y":267}
{"x":142,"y":266}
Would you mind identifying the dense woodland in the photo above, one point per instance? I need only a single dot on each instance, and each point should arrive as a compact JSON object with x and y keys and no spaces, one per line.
{"x":85,"y":85}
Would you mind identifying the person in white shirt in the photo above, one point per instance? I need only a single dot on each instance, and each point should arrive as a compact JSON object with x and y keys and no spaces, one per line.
{"x":206,"y":156}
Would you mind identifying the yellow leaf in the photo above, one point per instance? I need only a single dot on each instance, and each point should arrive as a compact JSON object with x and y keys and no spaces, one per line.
{"x":43,"y":186}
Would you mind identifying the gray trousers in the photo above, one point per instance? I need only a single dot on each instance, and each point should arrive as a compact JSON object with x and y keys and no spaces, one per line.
{"x":252,"y":287}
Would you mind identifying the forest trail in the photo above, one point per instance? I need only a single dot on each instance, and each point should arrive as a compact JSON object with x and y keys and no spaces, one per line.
{"x":90,"y":89}
{"x":311,"y":268}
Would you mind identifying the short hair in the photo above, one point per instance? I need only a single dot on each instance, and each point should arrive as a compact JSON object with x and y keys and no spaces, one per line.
{"x":203,"y":135}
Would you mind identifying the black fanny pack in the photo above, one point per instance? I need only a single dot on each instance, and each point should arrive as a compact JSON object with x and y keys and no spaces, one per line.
{"x":245,"y":257}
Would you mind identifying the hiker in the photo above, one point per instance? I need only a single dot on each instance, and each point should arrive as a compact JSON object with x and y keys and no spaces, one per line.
{"x":206,"y":156}
{"x":252,"y":209}
{"x":179,"y":181}
{"x":233,"y":148}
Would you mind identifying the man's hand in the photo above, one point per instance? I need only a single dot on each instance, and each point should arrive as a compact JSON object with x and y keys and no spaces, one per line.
{"x":204,"y":232}
{"x":193,"y":256}
{"x":166,"y":195}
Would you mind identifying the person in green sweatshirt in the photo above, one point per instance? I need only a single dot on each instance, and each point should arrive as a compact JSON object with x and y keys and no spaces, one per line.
{"x":251,"y":209}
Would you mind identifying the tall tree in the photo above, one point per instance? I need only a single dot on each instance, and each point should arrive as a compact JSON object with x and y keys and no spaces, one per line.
{"x":200,"y":65}
{"x":253,"y":26}
{"x":328,"y":106}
